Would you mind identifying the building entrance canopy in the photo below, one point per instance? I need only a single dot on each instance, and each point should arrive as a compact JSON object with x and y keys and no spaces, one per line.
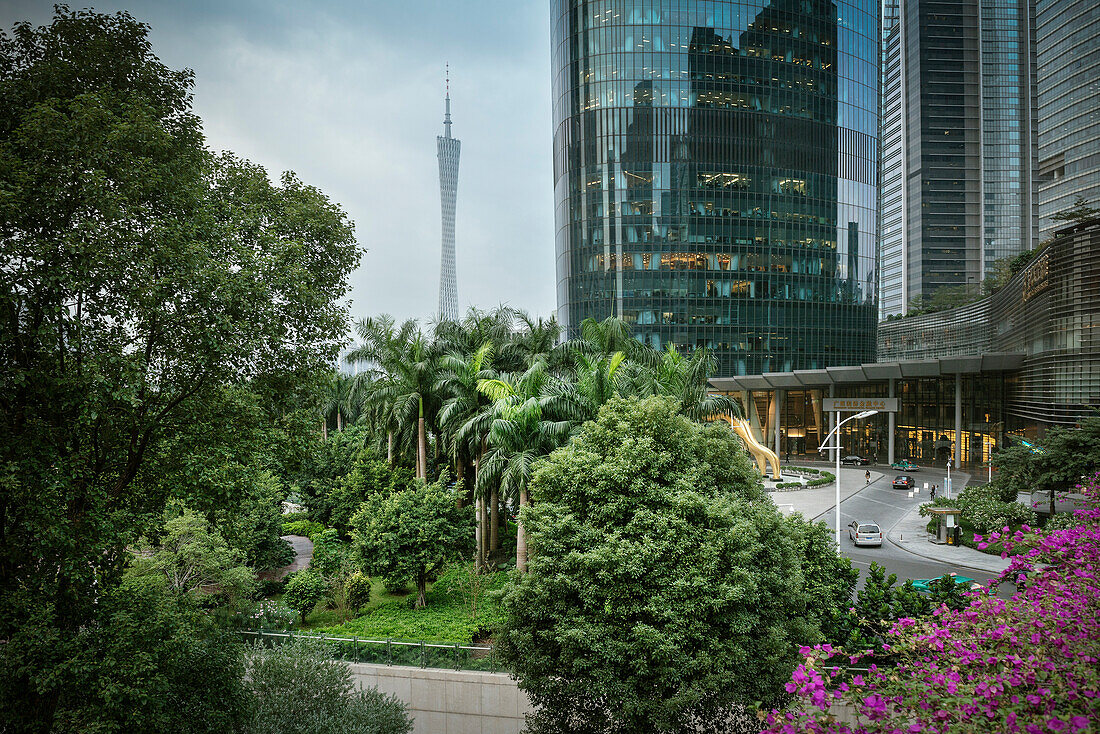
{"x":930,"y":410}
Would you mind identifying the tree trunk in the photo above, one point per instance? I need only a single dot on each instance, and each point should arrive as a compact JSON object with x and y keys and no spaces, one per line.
{"x":460,"y":487}
{"x":389,"y":447}
{"x":521,"y":536}
{"x":421,"y":589}
{"x":324,"y":429}
{"x":422,"y":451}
{"x":494,"y":520}
{"x":339,"y":421}
{"x":478,"y":536}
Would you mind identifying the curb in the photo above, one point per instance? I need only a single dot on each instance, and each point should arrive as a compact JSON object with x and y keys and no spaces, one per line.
{"x":933,"y":558}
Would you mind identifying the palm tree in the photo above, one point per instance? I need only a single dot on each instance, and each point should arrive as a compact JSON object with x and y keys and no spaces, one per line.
{"x":464,"y":421}
{"x":686,"y":378}
{"x":523,"y":429}
{"x":337,"y":402}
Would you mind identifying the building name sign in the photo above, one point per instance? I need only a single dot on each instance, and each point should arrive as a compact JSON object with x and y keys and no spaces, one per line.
{"x":1036,"y":277}
{"x":883,"y":405}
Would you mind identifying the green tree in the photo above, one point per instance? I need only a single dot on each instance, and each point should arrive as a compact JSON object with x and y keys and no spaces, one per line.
{"x":1066,"y":456}
{"x":193,"y":559}
{"x":143,"y":276}
{"x":367,"y":478}
{"x":524,"y":426}
{"x":664,"y":589}
{"x":255,"y":524}
{"x":411,"y":534}
{"x":304,"y":591}
{"x":300,"y":689}
{"x":146,"y":661}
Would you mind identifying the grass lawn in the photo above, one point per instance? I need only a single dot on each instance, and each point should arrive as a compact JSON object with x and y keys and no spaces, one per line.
{"x":448,"y":616}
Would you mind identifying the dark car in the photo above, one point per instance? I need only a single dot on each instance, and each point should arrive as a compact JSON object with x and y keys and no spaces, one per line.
{"x":904,"y":481}
{"x":854,"y":460}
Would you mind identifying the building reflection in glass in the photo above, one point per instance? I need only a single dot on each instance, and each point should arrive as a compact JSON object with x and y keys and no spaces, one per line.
{"x":715,"y":175}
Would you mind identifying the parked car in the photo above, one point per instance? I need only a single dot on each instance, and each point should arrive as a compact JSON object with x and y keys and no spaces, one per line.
{"x":924,"y":585}
{"x":905,"y":465}
{"x":854,"y":460}
{"x":904,"y":481}
{"x":864,"y":533}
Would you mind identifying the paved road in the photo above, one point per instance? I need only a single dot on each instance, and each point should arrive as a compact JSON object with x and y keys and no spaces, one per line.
{"x":879,"y":503}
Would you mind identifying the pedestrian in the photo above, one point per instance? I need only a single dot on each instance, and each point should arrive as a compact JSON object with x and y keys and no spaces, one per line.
{"x":867,"y":477}
{"x":933,"y":492}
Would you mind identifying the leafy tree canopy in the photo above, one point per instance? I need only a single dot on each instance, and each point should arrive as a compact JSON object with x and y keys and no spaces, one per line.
{"x":412,"y":534}
{"x":147,"y":661}
{"x":193,"y":558}
{"x":143,"y":281}
{"x":664,"y":588}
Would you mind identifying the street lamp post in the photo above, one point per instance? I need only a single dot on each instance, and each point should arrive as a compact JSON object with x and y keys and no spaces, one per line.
{"x":825,"y":445}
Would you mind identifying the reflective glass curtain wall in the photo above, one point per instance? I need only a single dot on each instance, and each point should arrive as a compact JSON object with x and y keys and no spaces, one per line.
{"x":715,"y":173}
{"x":1068,"y":48}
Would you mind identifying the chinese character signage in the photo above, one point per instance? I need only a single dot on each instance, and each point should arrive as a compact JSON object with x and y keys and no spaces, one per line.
{"x":856,"y":405}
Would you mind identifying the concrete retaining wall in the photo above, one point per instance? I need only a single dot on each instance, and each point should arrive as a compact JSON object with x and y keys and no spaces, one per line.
{"x":450,"y":701}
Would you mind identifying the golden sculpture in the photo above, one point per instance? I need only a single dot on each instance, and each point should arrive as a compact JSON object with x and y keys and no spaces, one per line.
{"x":762,"y":453}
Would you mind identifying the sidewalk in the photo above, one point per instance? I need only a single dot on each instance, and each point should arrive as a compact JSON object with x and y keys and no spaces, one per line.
{"x":910,"y":534}
{"x":813,"y":503}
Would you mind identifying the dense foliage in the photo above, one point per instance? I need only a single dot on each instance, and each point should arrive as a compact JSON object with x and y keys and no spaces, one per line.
{"x":165,"y":314}
{"x":300,"y":689}
{"x":1066,"y":456}
{"x":1025,"y":664}
{"x":665,"y":590}
{"x":411,"y":534}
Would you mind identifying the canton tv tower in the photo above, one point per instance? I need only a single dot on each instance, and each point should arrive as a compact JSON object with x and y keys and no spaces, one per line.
{"x":447,"y":150}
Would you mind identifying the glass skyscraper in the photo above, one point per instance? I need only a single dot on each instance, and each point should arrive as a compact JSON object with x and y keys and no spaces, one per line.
{"x":715,"y":169}
{"x":1068,"y":42}
{"x":959,"y":145}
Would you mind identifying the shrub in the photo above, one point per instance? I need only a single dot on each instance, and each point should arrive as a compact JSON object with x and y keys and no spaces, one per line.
{"x":299,"y":687}
{"x":308,"y":528}
{"x":357,"y":587}
{"x":984,"y":511}
{"x":294,"y":516}
{"x":303,"y":592}
{"x":396,"y":584}
{"x":330,"y":555}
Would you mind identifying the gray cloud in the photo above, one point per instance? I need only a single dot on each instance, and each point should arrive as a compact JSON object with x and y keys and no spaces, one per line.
{"x":350,"y":97}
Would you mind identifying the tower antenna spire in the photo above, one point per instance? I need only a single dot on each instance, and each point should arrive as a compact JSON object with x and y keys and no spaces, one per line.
{"x":447,"y":116}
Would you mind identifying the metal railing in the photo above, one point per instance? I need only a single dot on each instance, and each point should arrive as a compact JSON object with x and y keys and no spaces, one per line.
{"x":421,"y":654}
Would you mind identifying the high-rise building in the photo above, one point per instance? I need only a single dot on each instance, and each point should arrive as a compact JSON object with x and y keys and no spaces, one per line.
{"x":1068,"y":49}
{"x":715,"y":168}
{"x":892,"y":295}
{"x":959,"y":179}
{"x":447,"y":152}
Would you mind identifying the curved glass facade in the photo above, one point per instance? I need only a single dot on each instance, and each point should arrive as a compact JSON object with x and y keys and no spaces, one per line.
{"x":715,"y":173}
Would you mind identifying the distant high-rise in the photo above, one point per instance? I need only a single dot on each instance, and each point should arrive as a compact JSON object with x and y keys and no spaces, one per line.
{"x":1068,"y":49}
{"x":959,"y":151}
{"x":447,"y":152}
{"x":716,"y":174}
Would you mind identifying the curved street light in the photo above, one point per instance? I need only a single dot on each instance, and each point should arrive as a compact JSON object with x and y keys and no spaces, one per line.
{"x":824,"y":445}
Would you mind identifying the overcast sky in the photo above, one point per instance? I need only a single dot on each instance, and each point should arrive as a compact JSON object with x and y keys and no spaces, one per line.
{"x":349,"y":95}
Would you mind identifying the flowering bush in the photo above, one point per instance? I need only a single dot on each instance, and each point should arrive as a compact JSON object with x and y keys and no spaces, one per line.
{"x":269,"y":614}
{"x":1027,"y":664}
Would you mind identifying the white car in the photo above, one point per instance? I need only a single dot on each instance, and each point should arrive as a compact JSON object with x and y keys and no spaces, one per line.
{"x":864,"y":533}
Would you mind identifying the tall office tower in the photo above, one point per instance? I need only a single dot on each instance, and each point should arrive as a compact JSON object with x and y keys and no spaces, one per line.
{"x":447,"y":152}
{"x":965,"y":104}
{"x":715,"y":168}
{"x":892,"y":296}
{"x":1068,"y":49}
